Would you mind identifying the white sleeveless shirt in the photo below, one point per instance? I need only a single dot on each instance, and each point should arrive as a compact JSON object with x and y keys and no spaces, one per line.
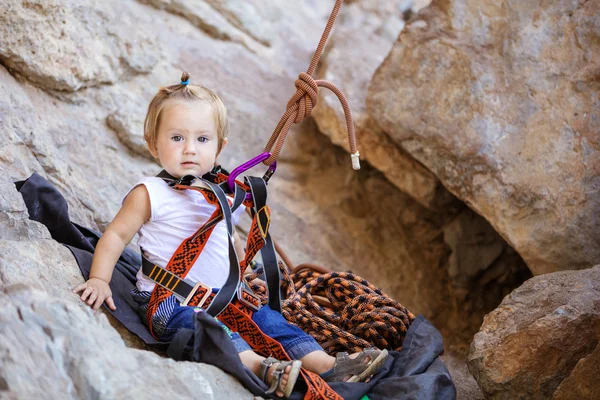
{"x":175,"y":216}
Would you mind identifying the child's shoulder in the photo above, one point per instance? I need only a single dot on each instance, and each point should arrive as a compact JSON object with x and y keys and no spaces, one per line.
{"x":154,"y":187}
{"x":153,"y":183}
{"x":153,"y":180}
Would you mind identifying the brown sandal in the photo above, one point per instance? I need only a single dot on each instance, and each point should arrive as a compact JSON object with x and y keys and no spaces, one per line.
{"x":278,"y":374}
{"x":356,"y":367}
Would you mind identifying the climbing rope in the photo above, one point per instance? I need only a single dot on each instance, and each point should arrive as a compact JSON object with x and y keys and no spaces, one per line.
{"x":301,"y":104}
{"x":341,"y":310}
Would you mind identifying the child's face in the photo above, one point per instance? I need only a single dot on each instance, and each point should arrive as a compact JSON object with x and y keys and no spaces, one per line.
{"x":187,"y":141}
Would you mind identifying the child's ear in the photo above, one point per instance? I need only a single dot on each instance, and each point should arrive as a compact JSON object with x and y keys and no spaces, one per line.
{"x":153,"y":151}
{"x":223,"y":145}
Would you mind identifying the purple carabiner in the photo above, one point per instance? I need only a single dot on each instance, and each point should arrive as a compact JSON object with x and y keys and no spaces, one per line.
{"x":244,"y":167}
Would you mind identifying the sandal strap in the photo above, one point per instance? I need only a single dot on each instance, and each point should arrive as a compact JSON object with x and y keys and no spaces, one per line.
{"x":277,"y":373}
{"x":341,"y":356}
{"x":344,"y":365}
{"x":264,"y":367}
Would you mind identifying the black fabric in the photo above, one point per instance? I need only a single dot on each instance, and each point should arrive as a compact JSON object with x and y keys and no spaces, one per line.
{"x":416,"y":372}
{"x":210,"y":344}
{"x":229,"y":289}
{"x":267,"y":252}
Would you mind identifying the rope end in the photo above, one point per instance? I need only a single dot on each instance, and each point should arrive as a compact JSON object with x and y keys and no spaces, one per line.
{"x":355,"y":161}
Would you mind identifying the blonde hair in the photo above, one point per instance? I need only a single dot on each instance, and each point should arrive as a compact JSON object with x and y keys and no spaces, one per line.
{"x":186,"y":92}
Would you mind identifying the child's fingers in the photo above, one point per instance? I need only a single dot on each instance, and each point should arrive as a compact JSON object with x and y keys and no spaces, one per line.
{"x":98,"y":303}
{"x":88,"y":290}
{"x":111,"y":303}
{"x":93,"y":298}
{"x":80,"y":287}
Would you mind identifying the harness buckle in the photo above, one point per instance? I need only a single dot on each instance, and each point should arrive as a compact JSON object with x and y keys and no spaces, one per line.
{"x":254,"y":303}
{"x":185,"y":180}
{"x":193,"y":292}
{"x":270,"y":172}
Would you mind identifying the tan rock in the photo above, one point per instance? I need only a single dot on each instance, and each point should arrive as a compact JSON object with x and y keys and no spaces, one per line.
{"x":65,"y":44}
{"x":128,"y":124}
{"x":208,"y":19}
{"x":535,"y":339}
{"x":499,"y":102}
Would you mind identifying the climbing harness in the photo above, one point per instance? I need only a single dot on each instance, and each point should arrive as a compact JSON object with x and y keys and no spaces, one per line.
{"x":235,"y":303}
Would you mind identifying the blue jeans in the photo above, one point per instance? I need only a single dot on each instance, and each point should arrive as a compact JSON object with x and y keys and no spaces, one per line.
{"x":294,"y":340}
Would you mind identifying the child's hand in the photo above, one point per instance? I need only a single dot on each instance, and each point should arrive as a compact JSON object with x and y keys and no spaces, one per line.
{"x":96,"y":291}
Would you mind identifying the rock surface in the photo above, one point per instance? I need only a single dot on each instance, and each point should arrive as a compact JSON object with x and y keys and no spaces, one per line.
{"x":542,"y":341}
{"x":499,"y":100}
{"x":70,"y":354}
{"x":69,"y":44}
{"x":582,"y":382}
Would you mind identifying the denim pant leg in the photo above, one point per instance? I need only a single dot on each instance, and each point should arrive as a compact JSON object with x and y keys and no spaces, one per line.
{"x":183,"y":317}
{"x":294,"y":340}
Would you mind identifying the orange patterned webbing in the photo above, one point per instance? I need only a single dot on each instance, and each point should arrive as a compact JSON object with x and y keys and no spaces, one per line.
{"x":183,"y":259}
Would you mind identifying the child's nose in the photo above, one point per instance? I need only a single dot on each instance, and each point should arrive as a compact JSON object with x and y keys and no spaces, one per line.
{"x":189,"y":147}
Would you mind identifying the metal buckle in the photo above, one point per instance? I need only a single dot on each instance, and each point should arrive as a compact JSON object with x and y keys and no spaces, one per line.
{"x":243,"y":289}
{"x":185,"y":180}
{"x":193,"y":292}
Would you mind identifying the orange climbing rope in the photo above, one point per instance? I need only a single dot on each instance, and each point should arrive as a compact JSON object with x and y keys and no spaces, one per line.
{"x":301,"y":104}
{"x":341,"y":310}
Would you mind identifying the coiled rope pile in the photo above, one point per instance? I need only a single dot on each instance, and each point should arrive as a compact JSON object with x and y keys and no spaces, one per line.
{"x":342,"y":311}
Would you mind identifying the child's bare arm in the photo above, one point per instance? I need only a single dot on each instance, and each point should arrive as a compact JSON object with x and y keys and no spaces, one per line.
{"x":132,"y":215}
{"x":238,"y":244}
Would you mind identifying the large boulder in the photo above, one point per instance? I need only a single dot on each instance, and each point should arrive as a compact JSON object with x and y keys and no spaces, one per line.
{"x":499,"y":100}
{"x":543,"y":341}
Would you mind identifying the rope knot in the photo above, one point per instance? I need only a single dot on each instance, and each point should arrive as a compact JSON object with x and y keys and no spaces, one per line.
{"x":305,"y":96}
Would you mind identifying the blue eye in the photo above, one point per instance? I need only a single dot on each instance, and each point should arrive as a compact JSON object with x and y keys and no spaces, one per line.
{"x":203,"y":139}
{"x":177,"y":138}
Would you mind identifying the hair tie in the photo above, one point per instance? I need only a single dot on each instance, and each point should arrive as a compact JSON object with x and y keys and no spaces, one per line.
{"x":185,"y":82}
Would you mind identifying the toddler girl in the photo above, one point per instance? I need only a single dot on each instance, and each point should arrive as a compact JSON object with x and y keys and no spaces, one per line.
{"x":185,"y":129}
